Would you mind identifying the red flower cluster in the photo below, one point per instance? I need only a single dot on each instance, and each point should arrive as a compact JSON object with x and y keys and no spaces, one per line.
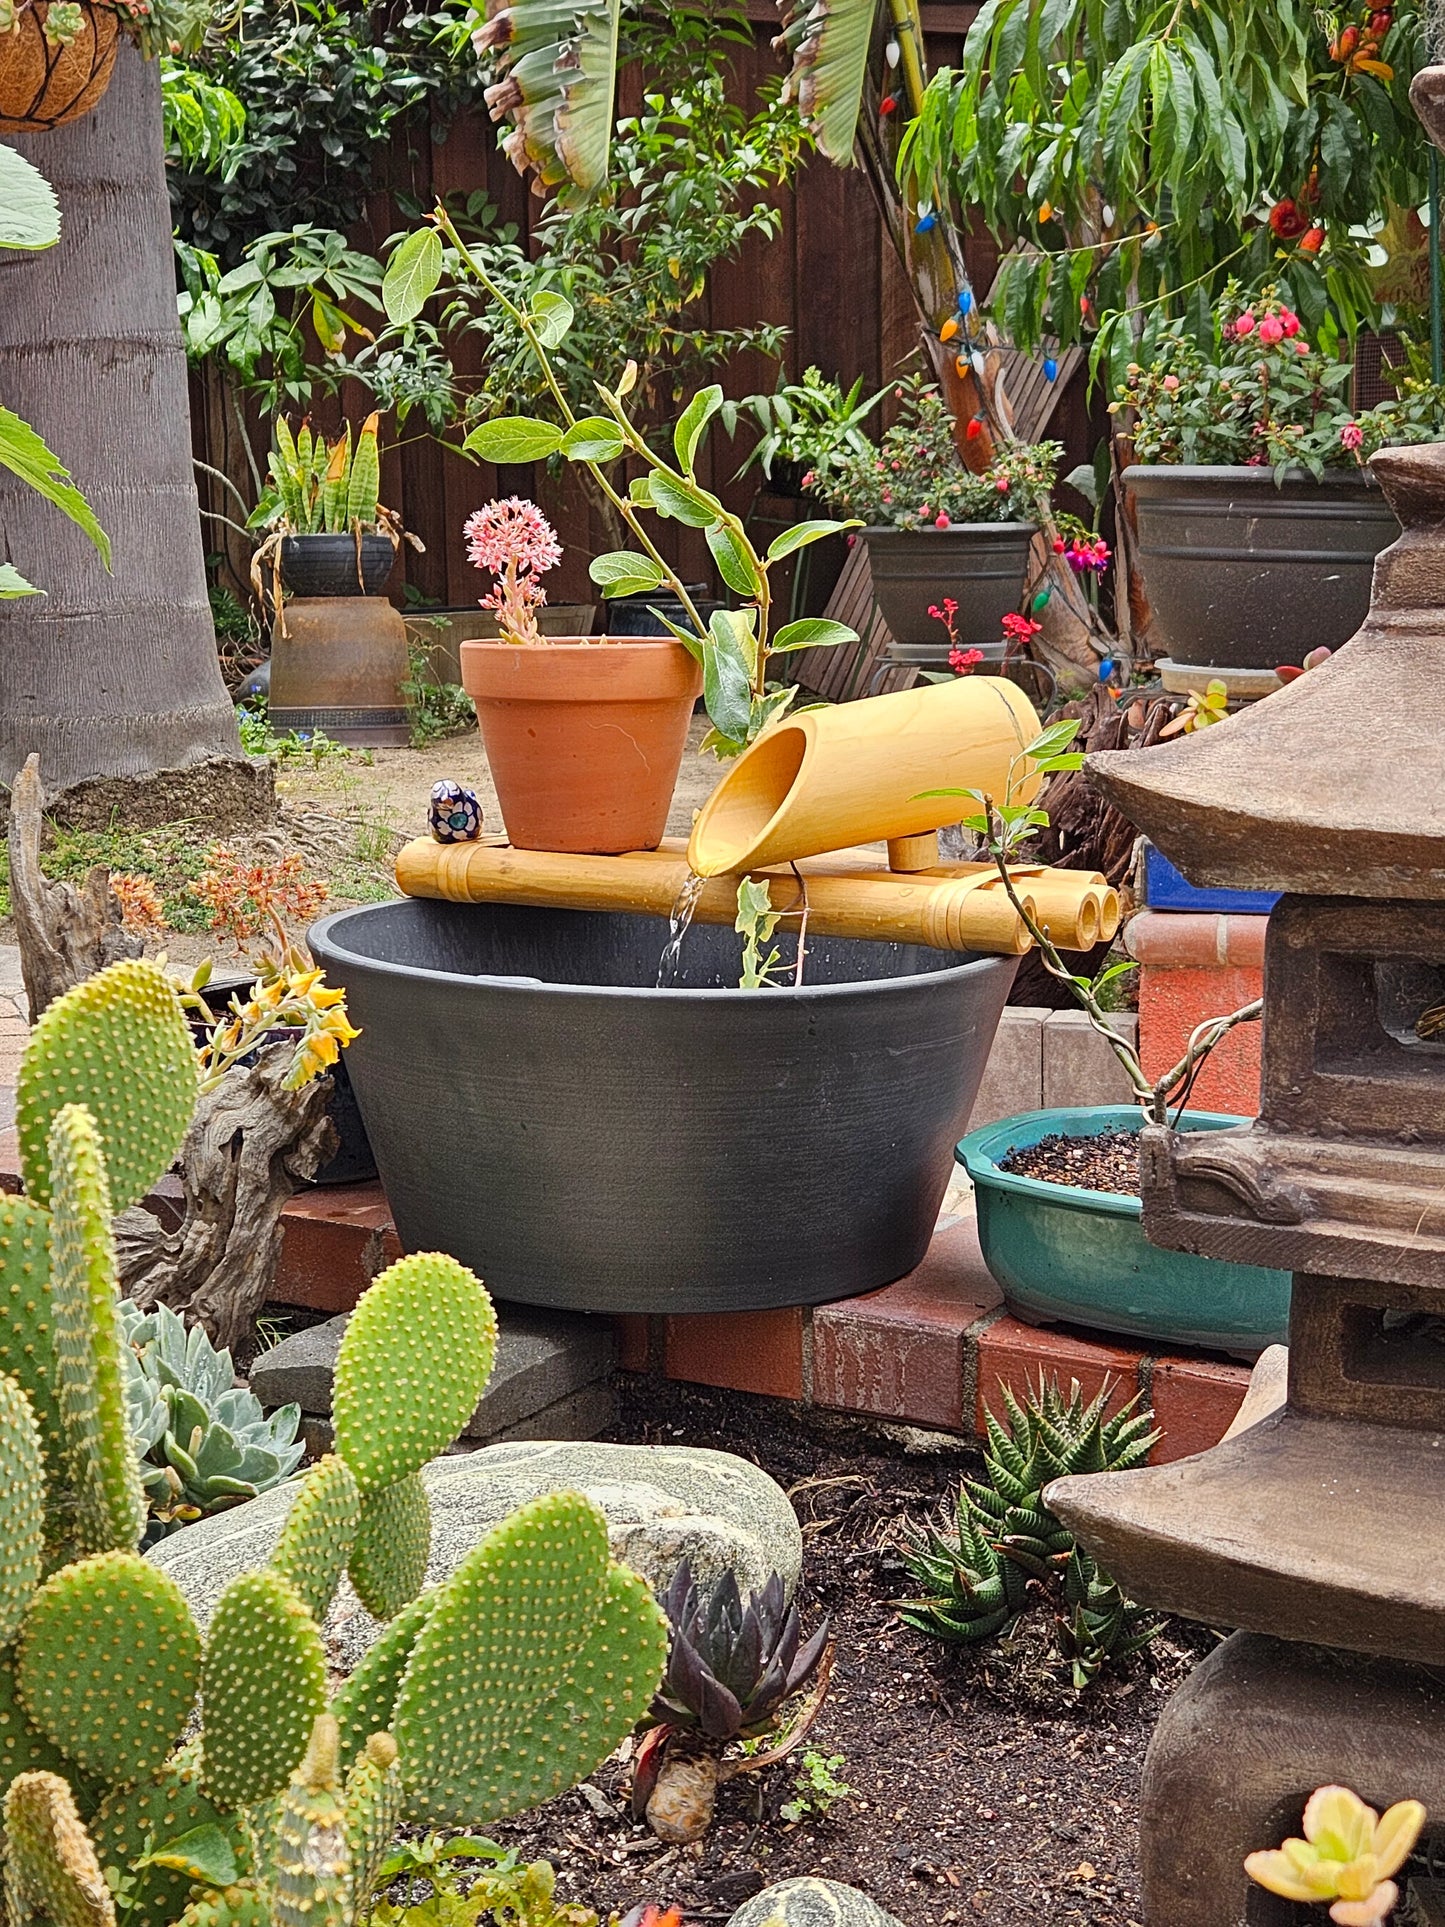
{"x":961,"y":661}
{"x":1019,"y":630}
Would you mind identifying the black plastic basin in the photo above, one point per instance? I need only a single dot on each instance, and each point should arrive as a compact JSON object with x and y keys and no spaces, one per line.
{"x":586,"y":1141}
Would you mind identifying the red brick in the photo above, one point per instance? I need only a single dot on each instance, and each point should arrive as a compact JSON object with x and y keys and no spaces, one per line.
{"x":633,"y":1349}
{"x":335,"y":1239}
{"x":746,"y":1351}
{"x":902,"y":1352}
{"x":1016,"y":1353}
{"x":1194,"y":1400}
{"x":1173,"y":1001}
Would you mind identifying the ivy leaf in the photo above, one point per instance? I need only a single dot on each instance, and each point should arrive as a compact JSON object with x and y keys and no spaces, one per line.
{"x":683,"y":501}
{"x":802,"y":533}
{"x":552,"y":316}
{"x":695,"y":418}
{"x":513,"y":439}
{"x":812,"y":632}
{"x":593,"y":439}
{"x":412,"y":275}
{"x":735,"y":562}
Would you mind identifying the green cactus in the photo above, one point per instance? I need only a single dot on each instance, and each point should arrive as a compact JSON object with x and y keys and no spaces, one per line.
{"x":316,"y":1539}
{"x":263,"y":1686}
{"x":27,"y":1326}
{"x":528,"y":1644}
{"x":160,"y":1809}
{"x":110,"y":1503}
{"x":367,"y":1700}
{"x":414,"y":1361}
{"x":22,"y":1507}
{"x":236,"y":1907}
{"x":51,"y":1872}
{"x":23,"y":1747}
{"x":310,"y":1880}
{"x":389,"y":1559}
{"x":119,"y":1045}
{"x":373,"y":1808}
{"x":109,"y":1662}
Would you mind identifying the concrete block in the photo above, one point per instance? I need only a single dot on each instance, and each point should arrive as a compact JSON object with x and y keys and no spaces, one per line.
{"x":1079,"y":1066}
{"x":543,"y":1360}
{"x":1013,"y":1078}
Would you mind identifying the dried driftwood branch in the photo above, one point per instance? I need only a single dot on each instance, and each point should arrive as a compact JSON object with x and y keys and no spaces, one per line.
{"x":65,"y":935}
{"x":251,"y":1143}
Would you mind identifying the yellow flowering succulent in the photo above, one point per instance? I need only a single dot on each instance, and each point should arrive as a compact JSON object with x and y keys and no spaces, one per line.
{"x":291,"y":995}
{"x":1347,"y":1856}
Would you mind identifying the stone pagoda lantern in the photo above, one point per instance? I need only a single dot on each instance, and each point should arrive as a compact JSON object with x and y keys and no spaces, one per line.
{"x":1319,"y":1528}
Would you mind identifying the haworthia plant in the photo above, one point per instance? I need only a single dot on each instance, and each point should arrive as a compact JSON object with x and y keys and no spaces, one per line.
{"x":515,"y":1677}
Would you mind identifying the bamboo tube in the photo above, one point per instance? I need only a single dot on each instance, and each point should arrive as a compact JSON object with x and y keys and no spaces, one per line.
{"x":856,"y":772}
{"x":962,"y":908}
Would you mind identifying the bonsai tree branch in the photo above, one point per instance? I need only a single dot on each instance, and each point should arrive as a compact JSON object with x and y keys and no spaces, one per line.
{"x":1152,"y":1095}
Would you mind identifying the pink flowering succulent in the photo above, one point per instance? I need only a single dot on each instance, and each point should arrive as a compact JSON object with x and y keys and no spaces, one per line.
{"x":515,"y":543}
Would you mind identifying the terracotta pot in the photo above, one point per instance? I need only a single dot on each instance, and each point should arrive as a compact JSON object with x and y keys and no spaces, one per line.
{"x":43,"y":86}
{"x":584,"y":739}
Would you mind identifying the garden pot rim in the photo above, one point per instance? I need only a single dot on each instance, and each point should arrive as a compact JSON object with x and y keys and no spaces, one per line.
{"x":552,"y":644}
{"x":954,"y":528}
{"x":979,"y":1151}
{"x":327,"y":931}
{"x":1133,"y":472}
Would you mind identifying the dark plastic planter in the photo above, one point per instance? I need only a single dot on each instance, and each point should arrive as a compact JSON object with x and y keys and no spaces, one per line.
{"x":1081,"y":1258}
{"x":585,"y":1141}
{"x":982,"y":565}
{"x":632,"y":615}
{"x":1243,"y":574}
{"x":326,"y":565}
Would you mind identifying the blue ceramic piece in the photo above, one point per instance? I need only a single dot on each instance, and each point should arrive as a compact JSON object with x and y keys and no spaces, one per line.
{"x":455,"y":815}
{"x":1166,"y":889}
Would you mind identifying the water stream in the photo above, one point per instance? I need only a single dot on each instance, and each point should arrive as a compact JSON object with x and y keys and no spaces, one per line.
{"x":683,"y":908}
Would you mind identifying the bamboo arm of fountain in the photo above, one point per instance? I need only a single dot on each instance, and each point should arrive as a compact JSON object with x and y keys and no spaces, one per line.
{"x":848,"y":893}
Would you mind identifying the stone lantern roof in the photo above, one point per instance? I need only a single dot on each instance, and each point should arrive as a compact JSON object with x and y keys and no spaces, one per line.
{"x":1335,"y":786}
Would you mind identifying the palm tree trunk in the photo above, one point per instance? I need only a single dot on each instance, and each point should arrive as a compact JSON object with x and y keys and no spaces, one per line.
{"x":107,"y":675}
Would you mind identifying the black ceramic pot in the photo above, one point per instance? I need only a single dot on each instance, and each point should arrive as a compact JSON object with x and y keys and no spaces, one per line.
{"x":326,"y":565}
{"x":981,"y":565}
{"x":1244,"y":573}
{"x":588,"y":1142}
{"x":631,"y":615}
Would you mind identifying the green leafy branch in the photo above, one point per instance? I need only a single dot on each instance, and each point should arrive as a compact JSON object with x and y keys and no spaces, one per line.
{"x":1002,"y":827}
{"x":736,"y":646}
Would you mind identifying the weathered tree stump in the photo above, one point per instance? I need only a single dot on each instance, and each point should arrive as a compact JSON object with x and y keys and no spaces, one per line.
{"x":65,"y":935}
{"x":251,"y":1143}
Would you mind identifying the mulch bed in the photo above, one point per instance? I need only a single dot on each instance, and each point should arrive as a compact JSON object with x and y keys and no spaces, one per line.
{"x":1108,"y":1162}
{"x":986,"y":1790}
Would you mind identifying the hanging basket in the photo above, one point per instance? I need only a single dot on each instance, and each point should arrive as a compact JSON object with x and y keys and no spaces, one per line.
{"x":43,"y":86}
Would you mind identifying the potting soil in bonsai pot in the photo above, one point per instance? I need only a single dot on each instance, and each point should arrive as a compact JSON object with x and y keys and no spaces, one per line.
{"x":1064,"y":1254}
{"x":584,"y":738}
{"x":589,"y":1142}
{"x":980,"y":565}
{"x":1244,"y":573}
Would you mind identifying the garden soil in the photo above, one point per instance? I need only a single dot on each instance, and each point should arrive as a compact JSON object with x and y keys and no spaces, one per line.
{"x":986,"y":1792}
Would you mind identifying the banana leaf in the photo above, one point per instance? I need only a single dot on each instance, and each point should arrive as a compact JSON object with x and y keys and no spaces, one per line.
{"x":555,"y":65}
{"x":829,"y":41}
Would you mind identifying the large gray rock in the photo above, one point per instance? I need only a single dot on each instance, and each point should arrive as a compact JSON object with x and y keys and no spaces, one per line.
{"x":810,"y":1902}
{"x":663,"y":1503}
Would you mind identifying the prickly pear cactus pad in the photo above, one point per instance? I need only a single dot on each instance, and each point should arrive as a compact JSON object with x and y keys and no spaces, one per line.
{"x":263,"y":1685}
{"x":317,"y":1536}
{"x":109,"y":1663}
{"x":366,"y":1702}
{"x":311,"y":1876}
{"x":531,"y":1619}
{"x":414,"y":1362}
{"x":23,"y":1748}
{"x":373,"y":1807}
{"x":22,"y":1507}
{"x":27,"y":1324}
{"x":111,"y":1507}
{"x":237,"y":1907}
{"x":120,"y":1045}
{"x":388,"y":1560}
{"x":159,"y":1809}
{"x":51,"y":1872}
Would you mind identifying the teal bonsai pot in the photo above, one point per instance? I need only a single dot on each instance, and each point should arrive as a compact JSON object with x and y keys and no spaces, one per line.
{"x":1081,"y":1258}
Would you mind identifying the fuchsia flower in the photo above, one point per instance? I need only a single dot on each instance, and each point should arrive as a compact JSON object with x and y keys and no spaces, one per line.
{"x":1245,"y":324}
{"x":1271,"y":330}
{"x":1171,"y":382}
{"x":514,"y":542}
{"x":940,"y":521}
{"x":1351,"y":435}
